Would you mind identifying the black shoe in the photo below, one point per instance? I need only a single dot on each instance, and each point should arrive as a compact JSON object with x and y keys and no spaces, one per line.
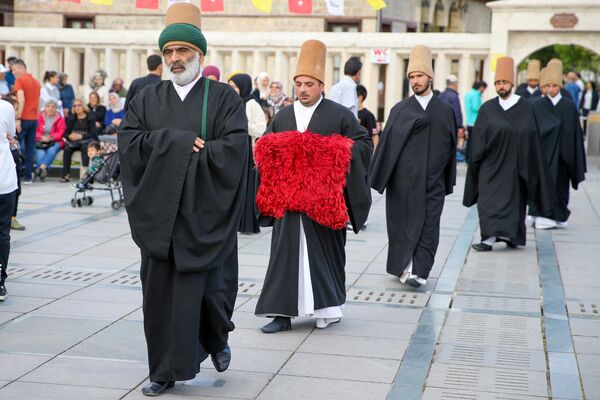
{"x":221,"y":359}
{"x":508,"y":242}
{"x":481,"y":247}
{"x":413,"y":282}
{"x":278,"y":324}
{"x":157,"y":388}
{"x":3,"y":292}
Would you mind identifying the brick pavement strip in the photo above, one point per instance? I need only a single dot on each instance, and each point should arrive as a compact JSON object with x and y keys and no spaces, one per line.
{"x":478,"y":323}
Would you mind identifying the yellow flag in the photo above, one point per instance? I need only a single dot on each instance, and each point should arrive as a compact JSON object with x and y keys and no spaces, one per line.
{"x":102,"y":2}
{"x":263,"y":5}
{"x":377,"y":4}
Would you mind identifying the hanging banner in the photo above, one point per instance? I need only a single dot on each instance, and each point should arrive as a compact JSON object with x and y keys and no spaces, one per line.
{"x":147,"y":4}
{"x":377,"y":4}
{"x":102,"y":2}
{"x":263,"y":5}
{"x":335,"y":7}
{"x":212,"y":6}
{"x":300,"y":6}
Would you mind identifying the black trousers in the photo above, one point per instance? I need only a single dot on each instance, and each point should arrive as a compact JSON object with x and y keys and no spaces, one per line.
{"x":186,"y":316}
{"x":467,"y":144}
{"x":7,"y":204}
{"x":68,"y":154}
{"x":19,"y":165}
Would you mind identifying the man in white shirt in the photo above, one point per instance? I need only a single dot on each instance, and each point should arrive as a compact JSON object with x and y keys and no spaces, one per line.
{"x":8,"y":187}
{"x":344,"y":92}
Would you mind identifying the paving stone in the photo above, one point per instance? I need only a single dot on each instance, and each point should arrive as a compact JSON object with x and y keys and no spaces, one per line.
{"x":585,"y":327}
{"x":88,"y":309}
{"x":586,"y":345}
{"x":482,"y":379}
{"x":303,"y":388}
{"x":51,"y":325}
{"x":591,"y":387}
{"x":236,"y":384}
{"x":355,"y":346}
{"x":491,"y":338}
{"x":40,"y":290}
{"x":8,"y":316}
{"x":369,"y":312}
{"x":35,"y":343}
{"x":35,"y":391}
{"x":16,"y":365}
{"x":103,"y":293}
{"x":432,"y":393}
{"x":464,"y":302}
{"x":253,"y":360}
{"x":494,"y":322}
{"x":588,"y":364}
{"x":255,"y":339}
{"x":375,"y":329}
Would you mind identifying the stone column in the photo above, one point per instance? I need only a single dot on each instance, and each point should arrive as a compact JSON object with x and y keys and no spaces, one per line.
{"x":278,"y":73}
{"x":112,"y":65}
{"x":369,"y":79}
{"x":394,"y":82}
{"x":91,"y":64}
{"x":51,"y":61}
{"x":132,"y":66}
{"x":441,"y":71}
{"x":236,"y":60}
{"x":466,"y":77}
{"x":72,"y":68}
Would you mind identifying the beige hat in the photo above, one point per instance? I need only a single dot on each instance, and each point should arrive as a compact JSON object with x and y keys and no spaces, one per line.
{"x":311,"y":60}
{"x":183,"y":28}
{"x":505,"y":70}
{"x":533,"y":69}
{"x":420,"y":60}
{"x":543,"y":77}
{"x":183,"y":13}
{"x":554,"y":72}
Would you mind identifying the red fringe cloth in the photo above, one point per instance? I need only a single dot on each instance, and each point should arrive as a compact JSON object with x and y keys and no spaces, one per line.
{"x":306,"y":173}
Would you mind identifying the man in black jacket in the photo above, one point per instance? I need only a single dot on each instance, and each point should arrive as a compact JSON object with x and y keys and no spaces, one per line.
{"x":155,"y":68}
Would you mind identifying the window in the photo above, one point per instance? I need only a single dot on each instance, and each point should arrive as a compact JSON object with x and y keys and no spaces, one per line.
{"x":343,"y":26}
{"x":79,"y":22}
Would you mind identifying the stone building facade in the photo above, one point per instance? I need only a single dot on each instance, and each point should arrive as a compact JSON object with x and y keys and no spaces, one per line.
{"x":241,"y":16}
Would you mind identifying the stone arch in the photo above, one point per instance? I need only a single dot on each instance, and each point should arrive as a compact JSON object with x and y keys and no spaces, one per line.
{"x":524,"y":44}
{"x":454,"y":17}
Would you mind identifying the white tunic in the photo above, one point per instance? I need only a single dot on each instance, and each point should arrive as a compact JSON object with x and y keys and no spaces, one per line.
{"x":306,"y":299}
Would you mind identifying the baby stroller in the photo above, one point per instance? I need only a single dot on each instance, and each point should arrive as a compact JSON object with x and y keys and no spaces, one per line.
{"x":108,"y":177}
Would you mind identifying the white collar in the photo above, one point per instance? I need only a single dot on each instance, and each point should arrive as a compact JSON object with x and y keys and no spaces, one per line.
{"x":556,"y":99}
{"x":303,"y":114}
{"x":183,"y":91}
{"x":531,"y":90}
{"x":424,"y":100}
{"x":508,"y":103}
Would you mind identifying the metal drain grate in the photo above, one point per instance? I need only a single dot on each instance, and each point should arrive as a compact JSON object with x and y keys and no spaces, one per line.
{"x":491,"y":338}
{"x":483,"y":379}
{"x":249,"y":288}
{"x":494,"y":322}
{"x":388,"y":297}
{"x":16,"y":272}
{"x":496,"y":303}
{"x":432,"y":393}
{"x":131,"y":280}
{"x":491,"y":357}
{"x":583,"y":309}
{"x":64,"y":276}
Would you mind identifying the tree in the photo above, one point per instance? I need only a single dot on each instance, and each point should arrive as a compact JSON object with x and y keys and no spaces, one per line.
{"x":574,"y":57}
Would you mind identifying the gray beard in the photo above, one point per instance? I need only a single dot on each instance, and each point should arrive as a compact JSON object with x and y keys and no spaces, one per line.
{"x":187,"y":76}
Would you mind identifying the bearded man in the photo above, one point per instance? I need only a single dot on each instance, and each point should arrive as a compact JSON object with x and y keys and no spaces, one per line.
{"x":183,"y":146}
{"x":415,"y":163}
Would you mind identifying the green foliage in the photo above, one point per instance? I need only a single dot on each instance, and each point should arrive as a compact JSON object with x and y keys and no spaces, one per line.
{"x":574,"y":57}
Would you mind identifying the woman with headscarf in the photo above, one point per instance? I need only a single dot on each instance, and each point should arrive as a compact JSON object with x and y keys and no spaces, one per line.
{"x":211,"y":72}
{"x":261,"y":91}
{"x":257,"y":123}
{"x":118,"y":87}
{"x":276,"y":97}
{"x":67,"y":94}
{"x":96,"y":84}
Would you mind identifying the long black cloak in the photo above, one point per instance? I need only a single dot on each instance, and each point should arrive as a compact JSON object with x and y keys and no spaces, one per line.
{"x":507,"y":168}
{"x":184,"y":209}
{"x":562,"y":145}
{"x":326,"y":253}
{"x":523,"y":92}
{"x":415,"y":162}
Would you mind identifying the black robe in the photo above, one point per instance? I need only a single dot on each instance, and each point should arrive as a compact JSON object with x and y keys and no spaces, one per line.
{"x":415,"y":163}
{"x":523,"y":92}
{"x":184,"y":210}
{"x":326,"y":253}
{"x":562,"y":145}
{"x":507,"y":168}
{"x":249,"y":218}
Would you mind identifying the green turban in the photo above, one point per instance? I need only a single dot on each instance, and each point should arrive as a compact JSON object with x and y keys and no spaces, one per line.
{"x":184,"y":34}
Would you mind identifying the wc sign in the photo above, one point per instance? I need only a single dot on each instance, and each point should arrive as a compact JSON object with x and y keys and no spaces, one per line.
{"x":381,"y":55}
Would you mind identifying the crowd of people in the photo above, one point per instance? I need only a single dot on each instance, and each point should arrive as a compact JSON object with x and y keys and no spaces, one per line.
{"x":202,"y":160}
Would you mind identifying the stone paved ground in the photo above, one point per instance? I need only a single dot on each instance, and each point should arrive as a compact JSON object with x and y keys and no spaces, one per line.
{"x":511,"y":324}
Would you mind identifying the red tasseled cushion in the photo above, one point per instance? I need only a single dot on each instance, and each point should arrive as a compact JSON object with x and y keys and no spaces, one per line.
{"x":306,"y":173}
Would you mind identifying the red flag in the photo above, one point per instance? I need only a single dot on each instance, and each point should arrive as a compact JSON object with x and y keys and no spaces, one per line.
{"x":211,"y":5}
{"x":71,"y":1}
{"x":149,"y":4}
{"x":300,"y":6}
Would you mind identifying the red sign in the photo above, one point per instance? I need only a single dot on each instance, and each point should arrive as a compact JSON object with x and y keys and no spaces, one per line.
{"x":149,"y":4}
{"x":381,"y":55}
{"x":212,"y":5}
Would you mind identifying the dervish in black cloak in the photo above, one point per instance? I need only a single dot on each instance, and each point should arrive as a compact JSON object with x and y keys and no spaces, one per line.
{"x":184,"y":209}
{"x":415,"y":163}
{"x":306,"y":272}
{"x":563,"y":149}
{"x":507,"y":167}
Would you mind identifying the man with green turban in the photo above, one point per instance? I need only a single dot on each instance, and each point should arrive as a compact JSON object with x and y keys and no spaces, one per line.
{"x":183,"y":148}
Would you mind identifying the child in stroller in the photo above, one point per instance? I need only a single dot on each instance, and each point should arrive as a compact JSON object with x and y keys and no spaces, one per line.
{"x":104,"y":170}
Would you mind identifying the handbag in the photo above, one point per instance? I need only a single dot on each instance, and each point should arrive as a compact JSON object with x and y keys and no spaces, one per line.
{"x":45,"y":145}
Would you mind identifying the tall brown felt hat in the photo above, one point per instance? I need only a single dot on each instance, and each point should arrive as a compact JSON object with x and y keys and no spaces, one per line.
{"x":533,"y":70}
{"x":554,"y":72}
{"x":543,"y":77}
{"x":183,"y":27}
{"x":311,"y":60}
{"x":505,"y":70}
{"x":420,"y":60}
{"x":183,"y":13}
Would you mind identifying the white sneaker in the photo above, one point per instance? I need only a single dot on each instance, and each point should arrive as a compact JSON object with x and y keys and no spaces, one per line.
{"x":530,"y":221}
{"x":544,"y":223}
{"x":562,"y":224}
{"x":323,"y":323}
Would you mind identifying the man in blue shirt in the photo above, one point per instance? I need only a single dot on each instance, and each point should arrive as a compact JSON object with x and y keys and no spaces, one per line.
{"x":572,"y":87}
{"x":9,"y":77}
{"x":472,"y":104}
{"x":450,"y":96}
